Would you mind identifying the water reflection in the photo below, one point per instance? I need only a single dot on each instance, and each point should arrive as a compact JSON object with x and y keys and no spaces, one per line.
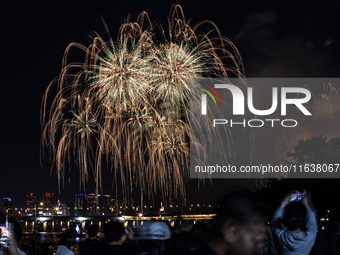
{"x":47,"y":236}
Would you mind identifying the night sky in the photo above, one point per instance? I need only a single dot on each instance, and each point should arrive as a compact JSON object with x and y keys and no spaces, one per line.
{"x":288,"y":39}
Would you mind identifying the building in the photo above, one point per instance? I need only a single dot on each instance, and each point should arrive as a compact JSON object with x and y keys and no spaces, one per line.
{"x":114,"y":206}
{"x":48,"y":204}
{"x":104,"y":202}
{"x":92,"y":204}
{"x":80,"y":204}
{"x":31,"y":199}
{"x":118,"y":207}
{"x":6,"y":205}
{"x":103,"y":205}
{"x":62,"y":209}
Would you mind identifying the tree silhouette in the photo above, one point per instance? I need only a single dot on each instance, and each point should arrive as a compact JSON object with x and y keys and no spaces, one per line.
{"x":317,"y":150}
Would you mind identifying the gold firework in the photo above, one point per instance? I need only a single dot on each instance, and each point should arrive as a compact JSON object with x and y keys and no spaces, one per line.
{"x":128,"y":103}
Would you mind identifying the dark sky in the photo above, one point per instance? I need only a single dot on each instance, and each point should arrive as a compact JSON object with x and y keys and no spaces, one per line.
{"x":288,"y":39}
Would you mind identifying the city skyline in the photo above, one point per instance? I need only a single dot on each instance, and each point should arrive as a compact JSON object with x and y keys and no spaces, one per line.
{"x":92,"y":205}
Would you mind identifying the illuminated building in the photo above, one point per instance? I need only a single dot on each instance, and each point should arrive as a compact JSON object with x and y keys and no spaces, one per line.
{"x":6,"y":205}
{"x":104,"y":204}
{"x":62,"y":209}
{"x":31,"y":199}
{"x":114,"y":206}
{"x":92,"y":204}
{"x":80,"y":204}
{"x":48,"y":204}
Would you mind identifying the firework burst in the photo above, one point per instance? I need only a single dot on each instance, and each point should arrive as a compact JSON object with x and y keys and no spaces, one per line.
{"x":128,"y":103}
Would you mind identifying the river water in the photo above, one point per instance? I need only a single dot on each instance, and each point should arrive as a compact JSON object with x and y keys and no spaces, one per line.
{"x":46,"y":237}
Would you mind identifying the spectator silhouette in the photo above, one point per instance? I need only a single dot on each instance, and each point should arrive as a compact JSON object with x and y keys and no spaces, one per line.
{"x":240,"y":226}
{"x":151,"y":238}
{"x":16,"y":236}
{"x":288,"y":219}
{"x":184,"y":239}
{"x":114,"y":232}
{"x":89,"y":246}
{"x":63,"y":248}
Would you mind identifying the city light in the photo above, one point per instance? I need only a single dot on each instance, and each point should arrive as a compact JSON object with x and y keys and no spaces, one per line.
{"x":84,"y":205}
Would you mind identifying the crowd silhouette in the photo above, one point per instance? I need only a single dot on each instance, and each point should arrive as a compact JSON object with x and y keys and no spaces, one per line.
{"x":243,"y":225}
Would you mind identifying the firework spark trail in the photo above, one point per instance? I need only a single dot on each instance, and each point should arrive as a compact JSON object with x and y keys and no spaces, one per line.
{"x":129,"y":102}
